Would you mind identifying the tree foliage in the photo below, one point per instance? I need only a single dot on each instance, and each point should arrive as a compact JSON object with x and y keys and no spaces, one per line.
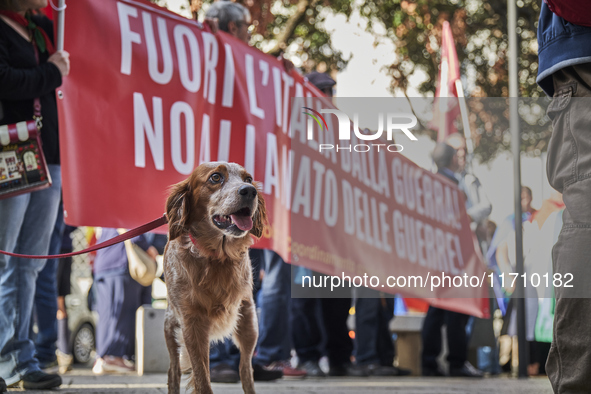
{"x":480,"y":32}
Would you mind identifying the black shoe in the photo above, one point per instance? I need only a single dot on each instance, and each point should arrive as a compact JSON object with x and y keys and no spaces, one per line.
{"x":39,"y":380}
{"x":357,"y":370}
{"x":402,"y":371}
{"x":337,"y":370}
{"x":222,"y":373}
{"x":432,"y":372}
{"x":466,"y":371}
{"x":384,"y":370}
{"x":312,"y":369}
{"x":2,"y":385}
{"x":262,"y":374}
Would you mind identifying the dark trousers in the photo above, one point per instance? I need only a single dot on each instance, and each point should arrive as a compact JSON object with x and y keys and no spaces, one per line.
{"x":569,"y":172}
{"x":455,"y":324}
{"x":118,"y":298}
{"x":224,"y":352}
{"x":321,"y":321}
{"x":373,"y":341}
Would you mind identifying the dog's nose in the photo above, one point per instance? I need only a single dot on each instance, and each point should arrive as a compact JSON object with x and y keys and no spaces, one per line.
{"x":248,"y":191}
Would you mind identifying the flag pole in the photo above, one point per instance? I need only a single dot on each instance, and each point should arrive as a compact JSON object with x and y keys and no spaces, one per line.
{"x":519,"y":293}
{"x":443,"y":94}
{"x":61,"y":15}
{"x":465,"y":121}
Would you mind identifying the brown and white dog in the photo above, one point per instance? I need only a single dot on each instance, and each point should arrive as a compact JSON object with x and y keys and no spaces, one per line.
{"x":211,"y":216}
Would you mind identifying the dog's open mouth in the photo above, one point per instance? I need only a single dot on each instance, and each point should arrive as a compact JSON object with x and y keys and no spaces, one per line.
{"x":241,"y":219}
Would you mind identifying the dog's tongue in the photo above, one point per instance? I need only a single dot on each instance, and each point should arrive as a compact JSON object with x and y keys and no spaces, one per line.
{"x":244,"y":223}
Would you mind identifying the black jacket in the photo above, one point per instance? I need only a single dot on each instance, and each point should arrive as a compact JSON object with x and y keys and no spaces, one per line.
{"x":22,"y":80}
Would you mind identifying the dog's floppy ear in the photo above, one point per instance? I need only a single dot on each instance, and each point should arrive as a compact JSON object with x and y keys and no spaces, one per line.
{"x":178,"y":209}
{"x":260,"y":217}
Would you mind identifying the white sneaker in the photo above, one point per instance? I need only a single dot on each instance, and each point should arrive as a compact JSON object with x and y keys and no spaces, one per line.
{"x":113,"y":364}
{"x":97,"y":368}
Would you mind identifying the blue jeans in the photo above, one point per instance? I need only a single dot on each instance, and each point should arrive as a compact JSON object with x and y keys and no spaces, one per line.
{"x":26,"y":224}
{"x":224,"y":352}
{"x":46,"y":297}
{"x":274,"y":330}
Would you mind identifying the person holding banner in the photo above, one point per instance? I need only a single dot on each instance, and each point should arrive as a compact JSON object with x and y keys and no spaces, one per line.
{"x":478,"y":206}
{"x":446,"y":159}
{"x":313,"y":317}
{"x":26,"y":221}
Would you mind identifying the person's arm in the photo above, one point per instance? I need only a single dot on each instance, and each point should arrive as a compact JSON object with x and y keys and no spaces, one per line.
{"x":28,"y":83}
{"x":481,"y":206}
{"x":143,"y":242}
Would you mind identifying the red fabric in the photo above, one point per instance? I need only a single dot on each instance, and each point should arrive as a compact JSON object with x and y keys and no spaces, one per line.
{"x":416,"y":305}
{"x":21,"y":20}
{"x":48,"y":12}
{"x":13,"y":133}
{"x":574,"y":11}
{"x":449,"y":73}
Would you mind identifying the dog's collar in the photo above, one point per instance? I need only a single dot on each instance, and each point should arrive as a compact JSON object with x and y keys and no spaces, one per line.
{"x":193,"y":240}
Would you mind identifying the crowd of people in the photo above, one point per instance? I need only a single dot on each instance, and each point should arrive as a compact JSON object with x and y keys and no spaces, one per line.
{"x":32,"y":291}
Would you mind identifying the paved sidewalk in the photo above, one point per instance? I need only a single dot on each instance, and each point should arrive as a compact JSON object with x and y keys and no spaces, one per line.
{"x":83,"y":381}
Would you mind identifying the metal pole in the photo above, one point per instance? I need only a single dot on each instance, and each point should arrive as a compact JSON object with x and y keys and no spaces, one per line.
{"x":518,"y":295}
{"x":465,"y":120}
{"x":61,"y":15}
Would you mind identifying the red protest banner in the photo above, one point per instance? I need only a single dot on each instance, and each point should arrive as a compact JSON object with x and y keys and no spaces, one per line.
{"x":151,"y":95}
{"x":377,"y":214}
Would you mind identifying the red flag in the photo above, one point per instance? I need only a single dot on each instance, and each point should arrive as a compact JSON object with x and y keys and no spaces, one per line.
{"x":48,"y":11}
{"x":446,"y":107}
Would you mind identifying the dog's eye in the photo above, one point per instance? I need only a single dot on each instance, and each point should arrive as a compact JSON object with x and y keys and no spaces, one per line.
{"x":216,"y":178}
{"x":248,"y":179}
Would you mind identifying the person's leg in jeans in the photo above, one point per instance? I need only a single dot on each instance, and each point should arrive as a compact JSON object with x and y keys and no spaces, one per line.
{"x":64,"y":351}
{"x":26,"y":227}
{"x":46,"y":311}
{"x":46,"y":298}
{"x":224,"y":358}
{"x":569,"y":172}
{"x":274,"y":333}
{"x":224,"y":352}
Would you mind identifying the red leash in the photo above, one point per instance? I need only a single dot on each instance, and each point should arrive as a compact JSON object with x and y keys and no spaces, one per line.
{"x":144,"y":228}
